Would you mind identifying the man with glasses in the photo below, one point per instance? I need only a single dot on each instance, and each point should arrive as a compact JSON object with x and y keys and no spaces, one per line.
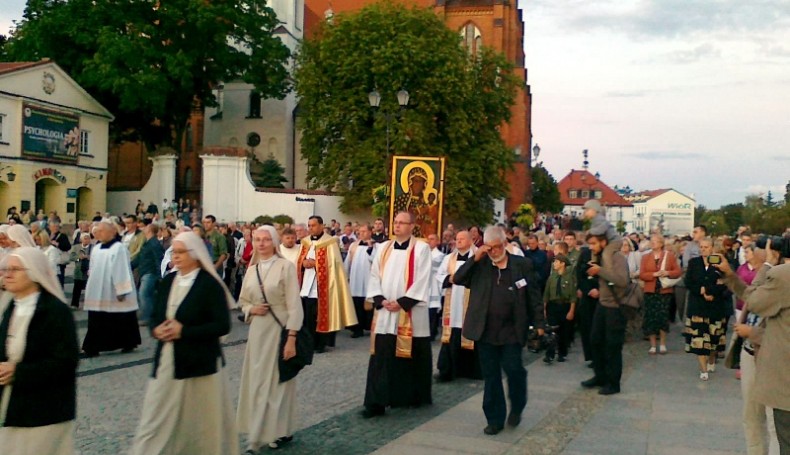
{"x":399,"y":372}
{"x":504,"y":301}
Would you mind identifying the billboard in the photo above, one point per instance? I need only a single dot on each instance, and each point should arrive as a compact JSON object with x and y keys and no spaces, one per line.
{"x":49,"y":135}
{"x":418,"y":188}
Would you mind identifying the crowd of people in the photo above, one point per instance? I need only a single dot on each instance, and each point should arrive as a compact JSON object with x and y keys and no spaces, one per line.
{"x":485,"y":293}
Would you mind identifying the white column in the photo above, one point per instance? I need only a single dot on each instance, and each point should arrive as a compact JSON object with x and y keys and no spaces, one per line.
{"x":222,"y":186}
{"x":163,"y":178}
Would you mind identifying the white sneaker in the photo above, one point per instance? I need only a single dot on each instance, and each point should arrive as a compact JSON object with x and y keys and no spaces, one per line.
{"x":652,"y":350}
{"x":703,"y":376}
{"x":711,"y":367}
{"x":662,"y":349}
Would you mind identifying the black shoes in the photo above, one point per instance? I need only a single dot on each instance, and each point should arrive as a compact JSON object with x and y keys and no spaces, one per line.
{"x":561,"y":359}
{"x":88,"y":355}
{"x":548,"y":360}
{"x":592,"y":382}
{"x":513,"y":420}
{"x":492,"y":429}
{"x":439,"y":378}
{"x":357,"y":335}
{"x":127,"y":350}
{"x":608,"y":390}
{"x":280,"y":442}
{"x":372,"y":411}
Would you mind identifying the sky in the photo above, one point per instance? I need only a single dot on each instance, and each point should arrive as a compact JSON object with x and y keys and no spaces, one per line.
{"x":686,"y":94}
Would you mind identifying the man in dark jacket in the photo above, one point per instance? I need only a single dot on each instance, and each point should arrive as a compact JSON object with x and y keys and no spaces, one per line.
{"x":504,"y":302}
{"x":60,"y":241}
{"x":540,"y":260}
{"x":588,"y":299}
{"x":148,"y":264}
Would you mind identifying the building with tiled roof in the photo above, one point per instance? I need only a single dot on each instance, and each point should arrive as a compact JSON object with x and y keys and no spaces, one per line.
{"x":579,"y":186}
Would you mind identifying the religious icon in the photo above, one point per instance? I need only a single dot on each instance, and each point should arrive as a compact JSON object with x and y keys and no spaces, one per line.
{"x":418,"y":188}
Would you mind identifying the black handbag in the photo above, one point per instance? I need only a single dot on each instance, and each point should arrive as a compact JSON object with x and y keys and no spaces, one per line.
{"x":304,"y":344}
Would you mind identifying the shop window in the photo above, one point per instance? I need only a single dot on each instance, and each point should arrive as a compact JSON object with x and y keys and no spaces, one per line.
{"x":85,"y":142}
{"x":573,"y":194}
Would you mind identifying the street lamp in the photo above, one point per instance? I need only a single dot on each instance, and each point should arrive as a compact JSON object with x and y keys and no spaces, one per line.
{"x":11,"y":176}
{"x":374,"y":98}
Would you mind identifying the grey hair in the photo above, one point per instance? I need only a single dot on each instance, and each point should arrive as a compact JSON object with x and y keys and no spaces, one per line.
{"x":494,"y":234}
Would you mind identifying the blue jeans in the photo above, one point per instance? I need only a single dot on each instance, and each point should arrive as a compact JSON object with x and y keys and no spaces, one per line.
{"x":494,"y":359}
{"x":146,"y":295}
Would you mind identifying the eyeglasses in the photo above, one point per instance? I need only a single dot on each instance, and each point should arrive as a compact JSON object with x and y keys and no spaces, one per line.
{"x":13,"y":269}
{"x":181,"y":251}
{"x":402,"y":223}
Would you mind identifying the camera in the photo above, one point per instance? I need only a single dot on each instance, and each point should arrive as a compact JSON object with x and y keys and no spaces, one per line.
{"x":714,"y":259}
{"x":778,"y":243}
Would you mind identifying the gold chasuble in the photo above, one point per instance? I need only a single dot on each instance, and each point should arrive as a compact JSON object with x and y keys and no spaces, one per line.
{"x":447,"y":328}
{"x":335,"y":306}
{"x":403,"y":342}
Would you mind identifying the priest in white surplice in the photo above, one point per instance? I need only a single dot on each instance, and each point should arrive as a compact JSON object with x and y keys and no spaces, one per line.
{"x":399,"y":372}
{"x":357,"y":264}
{"x":458,"y":356}
{"x":110,"y":297}
{"x":289,"y":248}
{"x":435,"y":299}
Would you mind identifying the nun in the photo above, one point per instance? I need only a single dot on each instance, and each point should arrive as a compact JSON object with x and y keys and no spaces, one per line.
{"x":187,"y":408}
{"x":38,"y":359}
{"x":267,"y":405}
{"x":19,"y":236}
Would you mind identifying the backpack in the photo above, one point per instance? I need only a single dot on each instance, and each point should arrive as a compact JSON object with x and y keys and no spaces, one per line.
{"x":631,"y":300}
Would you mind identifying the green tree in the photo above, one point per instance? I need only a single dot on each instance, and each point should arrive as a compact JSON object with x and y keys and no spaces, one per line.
{"x":545,"y":193}
{"x":268,"y":173}
{"x":457,"y":104}
{"x":152,"y":64}
{"x":699,"y":214}
{"x":715,"y":223}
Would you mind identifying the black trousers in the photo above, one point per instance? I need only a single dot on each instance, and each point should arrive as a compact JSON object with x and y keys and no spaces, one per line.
{"x":782,"y":424}
{"x":364,"y":317}
{"x":320,"y":340}
{"x":62,"y":275}
{"x":607,"y":337}
{"x":494,"y":359}
{"x":79,"y":286}
{"x":585,"y":319}
{"x":556,"y":315}
{"x":457,"y":362}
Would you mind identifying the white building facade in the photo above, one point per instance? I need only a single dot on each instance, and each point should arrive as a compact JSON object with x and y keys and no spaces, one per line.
{"x":668,"y":211}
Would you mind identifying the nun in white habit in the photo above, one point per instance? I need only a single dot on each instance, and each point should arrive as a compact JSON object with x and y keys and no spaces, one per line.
{"x":267,"y":406}
{"x":38,"y":359}
{"x":187,"y":408}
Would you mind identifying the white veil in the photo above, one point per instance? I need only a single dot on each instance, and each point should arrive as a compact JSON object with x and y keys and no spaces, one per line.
{"x":197,"y":250}
{"x":39,"y":270}
{"x":275,"y":240}
{"x":20,"y":235}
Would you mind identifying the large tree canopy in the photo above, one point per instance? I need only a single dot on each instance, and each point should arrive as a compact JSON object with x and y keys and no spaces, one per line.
{"x":545,"y":193}
{"x":457,"y":104}
{"x":152,"y":63}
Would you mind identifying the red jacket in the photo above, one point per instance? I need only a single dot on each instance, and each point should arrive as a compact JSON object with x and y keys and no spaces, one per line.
{"x":649,"y":267}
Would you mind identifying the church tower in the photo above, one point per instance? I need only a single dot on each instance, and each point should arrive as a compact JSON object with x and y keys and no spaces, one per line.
{"x":498,"y":24}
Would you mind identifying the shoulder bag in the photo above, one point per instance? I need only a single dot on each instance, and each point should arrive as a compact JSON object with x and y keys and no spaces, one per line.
{"x":304,"y":344}
{"x":667,"y":282}
{"x":631,"y":301}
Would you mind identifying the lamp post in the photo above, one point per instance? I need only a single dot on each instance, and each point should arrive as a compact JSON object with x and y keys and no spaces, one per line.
{"x":374,"y":98}
{"x":536,"y":153}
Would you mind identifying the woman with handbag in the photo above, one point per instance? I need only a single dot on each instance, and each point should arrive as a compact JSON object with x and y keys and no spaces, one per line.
{"x":270,"y":302}
{"x":704,"y":330}
{"x":187,"y":408}
{"x":38,"y":359}
{"x":659,"y":271}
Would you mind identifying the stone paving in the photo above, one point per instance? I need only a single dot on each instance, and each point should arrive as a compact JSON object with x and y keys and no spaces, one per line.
{"x":663,"y":408}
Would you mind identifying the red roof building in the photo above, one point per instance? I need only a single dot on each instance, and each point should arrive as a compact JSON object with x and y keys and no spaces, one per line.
{"x":579,"y":186}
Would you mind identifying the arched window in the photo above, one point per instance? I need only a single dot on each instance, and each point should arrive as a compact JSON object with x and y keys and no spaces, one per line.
{"x":472,"y":38}
{"x":188,"y":137}
{"x":188,"y":178}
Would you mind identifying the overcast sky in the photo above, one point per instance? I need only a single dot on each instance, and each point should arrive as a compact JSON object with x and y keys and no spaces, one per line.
{"x":688,"y":94}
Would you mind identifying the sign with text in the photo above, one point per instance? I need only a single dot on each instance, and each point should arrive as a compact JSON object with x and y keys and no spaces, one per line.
{"x":49,"y":135}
